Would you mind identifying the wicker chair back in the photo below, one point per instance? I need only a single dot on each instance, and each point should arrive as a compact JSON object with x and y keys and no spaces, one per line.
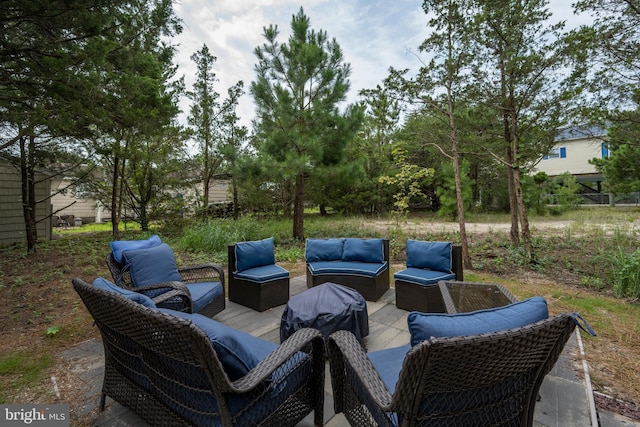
{"x":489,"y":379}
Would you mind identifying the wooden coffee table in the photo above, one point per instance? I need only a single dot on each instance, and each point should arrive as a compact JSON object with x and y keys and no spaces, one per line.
{"x":461,"y":297}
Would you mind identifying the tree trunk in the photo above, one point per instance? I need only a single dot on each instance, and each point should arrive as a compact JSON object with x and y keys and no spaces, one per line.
{"x":144,"y":222}
{"x":205,"y":184}
{"x":513,"y":201}
{"x":298,"y":208}
{"x":466,"y":258}
{"x":27,"y":173}
{"x":524,"y":220}
{"x":509,"y":153}
{"x":114,"y":198}
{"x":234,"y":186}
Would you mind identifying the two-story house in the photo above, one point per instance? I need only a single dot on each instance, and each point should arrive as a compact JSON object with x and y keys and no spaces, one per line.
{"x":573,"y":150}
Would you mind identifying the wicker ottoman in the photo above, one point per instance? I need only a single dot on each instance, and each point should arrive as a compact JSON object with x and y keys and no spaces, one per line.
{"x":327,"y":307}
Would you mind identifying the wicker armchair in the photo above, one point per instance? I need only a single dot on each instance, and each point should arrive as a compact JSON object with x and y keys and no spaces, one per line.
{"x":479,"y":380}
{"x":190,"y":276}
{"x":167,"y":371}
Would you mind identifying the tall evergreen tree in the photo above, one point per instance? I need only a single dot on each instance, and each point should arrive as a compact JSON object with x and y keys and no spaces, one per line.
{"x":297,"y":91}
{"x":137,"y":86}
{"x":519,"y":76}
{"x":208,"y":117}
{"x":440,"y":86}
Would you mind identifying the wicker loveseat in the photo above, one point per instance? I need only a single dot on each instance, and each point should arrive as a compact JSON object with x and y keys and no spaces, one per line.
{"x":149,"y":266}
{"x":174,"y":368}
{"x":362,"y":264}
{"x":446,"y":379}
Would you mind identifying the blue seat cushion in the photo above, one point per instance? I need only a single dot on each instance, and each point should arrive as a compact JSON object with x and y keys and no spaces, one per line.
{"x":363,"y":250}
{"x":423,"y":326}
{"x":265,"y":273}
{"x":254,"y":254}
{"x":431,"y":255}
{"x":388,"y":363}
{"x":119,"y":246}
{"x":152,"y":265}
{"x":131,"y":295}
{"x":203,"y":293}
{"x":238,"y":351}
{"x":367,"y":269}
{"x":323,"y":250}
{"x":422,"y":277}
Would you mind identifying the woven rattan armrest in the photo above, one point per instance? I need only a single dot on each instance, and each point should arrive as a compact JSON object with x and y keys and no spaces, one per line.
{"x":175,"y":293}
{"x":297,"y":342}
{"x":344,"y":348}
{"x":202,"y":273}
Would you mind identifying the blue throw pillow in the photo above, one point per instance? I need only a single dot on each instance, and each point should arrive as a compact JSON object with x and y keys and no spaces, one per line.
{"x":363,"y":250}
{"x":133,"y":296}
{"x":432,"y":255}
{"x":423,"y":326}
{"x":119,"y":246}
{"x":323,"y":250}
{"x":254,"y":254}
{"x":238,"y":351}
{"x":152,"y":265}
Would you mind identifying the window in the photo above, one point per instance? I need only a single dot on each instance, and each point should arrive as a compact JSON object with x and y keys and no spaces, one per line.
{"x":556,"y":153}
{"x":605,"y":150}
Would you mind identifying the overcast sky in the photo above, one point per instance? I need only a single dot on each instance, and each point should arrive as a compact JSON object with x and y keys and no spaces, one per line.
{"x":373,"y":34}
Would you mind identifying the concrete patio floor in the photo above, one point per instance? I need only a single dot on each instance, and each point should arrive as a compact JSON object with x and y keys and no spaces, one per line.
{"x":566,"y":396}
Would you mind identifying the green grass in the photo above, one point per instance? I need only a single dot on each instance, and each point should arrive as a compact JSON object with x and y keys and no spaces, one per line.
{"x":23,"y":369}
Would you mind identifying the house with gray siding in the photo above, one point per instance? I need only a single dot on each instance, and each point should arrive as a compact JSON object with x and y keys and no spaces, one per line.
{"x":12,"y":227}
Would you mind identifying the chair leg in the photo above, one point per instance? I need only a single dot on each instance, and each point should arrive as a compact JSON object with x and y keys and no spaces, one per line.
{"x":103,"y":398}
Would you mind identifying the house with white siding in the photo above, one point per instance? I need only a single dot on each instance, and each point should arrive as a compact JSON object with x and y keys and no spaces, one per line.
{"x":67,"y":201}
{"x":573,"y":150}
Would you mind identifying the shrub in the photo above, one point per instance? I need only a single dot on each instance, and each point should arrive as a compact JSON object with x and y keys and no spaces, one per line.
{"x":626,"y":274}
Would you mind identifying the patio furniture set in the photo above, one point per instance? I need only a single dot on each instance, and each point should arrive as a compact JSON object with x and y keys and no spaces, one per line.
{"x":477,"y":356}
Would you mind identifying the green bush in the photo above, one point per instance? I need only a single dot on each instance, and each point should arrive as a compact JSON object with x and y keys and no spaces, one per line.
{"x":626,"y":274}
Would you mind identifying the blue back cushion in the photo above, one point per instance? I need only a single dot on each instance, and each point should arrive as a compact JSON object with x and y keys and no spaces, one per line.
{"x":238,"y":351}
{"x":133,"y":296}
{"x":432,"y":255}
{"x":323,"y":250}
{"x":388,"y":364}
{"x":119,"y":246}
{"x":152,"y":265}
{"x":423,"y":326}
{"x":254,"y":254}
{"x":363,"y":250}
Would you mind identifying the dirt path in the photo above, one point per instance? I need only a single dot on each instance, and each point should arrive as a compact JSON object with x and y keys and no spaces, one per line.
{"x":554,"y":227}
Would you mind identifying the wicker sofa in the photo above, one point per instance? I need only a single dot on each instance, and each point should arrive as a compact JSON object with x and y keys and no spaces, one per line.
{"x":176,"y":368}
{"x":362,"y":264}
